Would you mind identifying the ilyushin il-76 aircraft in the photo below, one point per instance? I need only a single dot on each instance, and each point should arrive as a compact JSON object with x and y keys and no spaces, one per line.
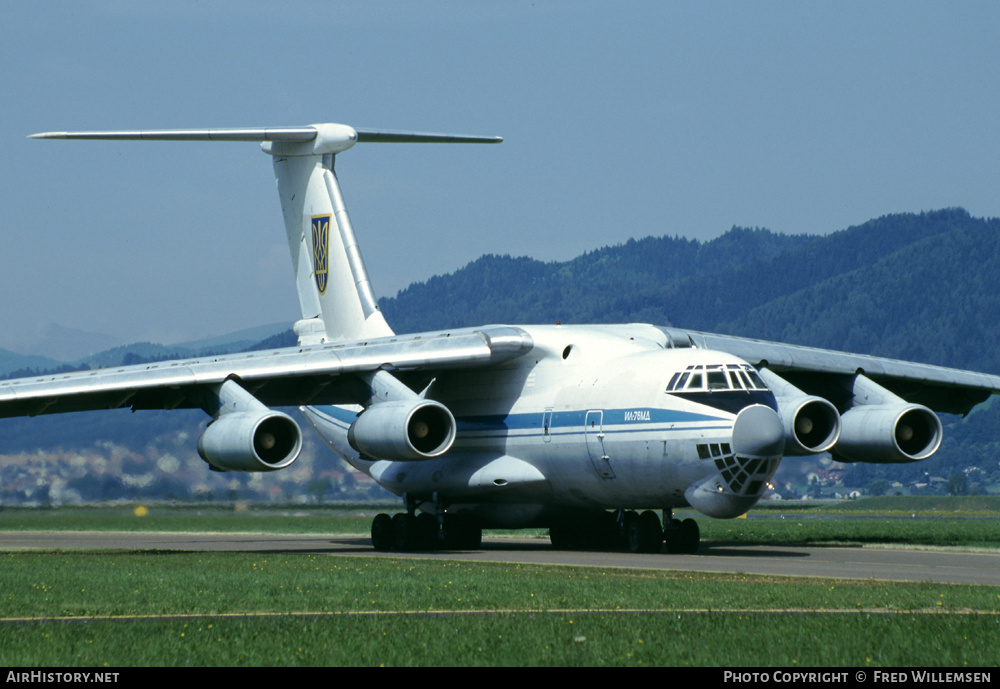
{"x":597,"y":433}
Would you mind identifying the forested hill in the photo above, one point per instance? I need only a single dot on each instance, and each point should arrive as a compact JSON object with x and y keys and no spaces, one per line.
{"x":922,"y":287}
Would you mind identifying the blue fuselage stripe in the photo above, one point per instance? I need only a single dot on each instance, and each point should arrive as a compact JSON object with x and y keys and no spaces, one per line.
{"x":564,"y":423}
{"x":576,"y":419}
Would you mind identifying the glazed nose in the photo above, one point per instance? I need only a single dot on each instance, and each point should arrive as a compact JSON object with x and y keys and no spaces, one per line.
{"x":758,"y":432}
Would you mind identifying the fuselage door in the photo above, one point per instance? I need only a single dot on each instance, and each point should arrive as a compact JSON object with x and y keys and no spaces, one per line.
{"x":594,"y":432}
{"x":547,"y":426}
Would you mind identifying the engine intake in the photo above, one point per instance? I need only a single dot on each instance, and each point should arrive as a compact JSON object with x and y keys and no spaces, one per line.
{"x":251,"y":441}
{"x":404,"y":430}
{"x":812,"y":424}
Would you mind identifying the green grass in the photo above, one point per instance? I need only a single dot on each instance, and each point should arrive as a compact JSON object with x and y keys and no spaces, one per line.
{"x":967,"y":522}
{"x":126,"y":608}
{"x":520,"y":639}
{"x":194,"y":518}
{"x":905,"y":506}
{"x":168,"y":582}
{"x":945,"y":522}
{"x":803,"y":530}
{"x":286,"y":609}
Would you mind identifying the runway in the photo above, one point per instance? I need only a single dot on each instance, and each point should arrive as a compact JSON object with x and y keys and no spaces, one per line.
{"x":884,"y":564}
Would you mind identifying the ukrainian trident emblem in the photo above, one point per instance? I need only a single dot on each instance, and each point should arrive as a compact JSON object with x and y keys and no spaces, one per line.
{"x":321,"y":250}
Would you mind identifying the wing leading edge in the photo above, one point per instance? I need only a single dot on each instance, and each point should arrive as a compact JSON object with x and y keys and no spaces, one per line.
{"x":306,"y":375}
{"x":290,"y":376}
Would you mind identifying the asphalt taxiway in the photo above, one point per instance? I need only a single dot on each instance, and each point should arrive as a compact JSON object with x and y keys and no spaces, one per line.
{"x":875,"y":563}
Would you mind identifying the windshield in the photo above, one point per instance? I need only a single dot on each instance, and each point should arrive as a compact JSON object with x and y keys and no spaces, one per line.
{"x":717,"y":377}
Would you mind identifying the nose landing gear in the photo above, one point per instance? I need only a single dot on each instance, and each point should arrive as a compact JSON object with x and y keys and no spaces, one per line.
{"x":645,"y":534}
{"x":681,"y":537}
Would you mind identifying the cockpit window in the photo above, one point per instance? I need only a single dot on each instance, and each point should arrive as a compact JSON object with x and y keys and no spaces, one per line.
{"x":718,"y":377}
{"x":757,"y":380}
{"x":673,"y":381}
{"x":718,"y":380}
{"x":744,"y":381}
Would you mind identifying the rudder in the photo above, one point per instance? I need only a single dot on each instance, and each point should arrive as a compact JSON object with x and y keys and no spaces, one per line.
{"x":335,"y":293}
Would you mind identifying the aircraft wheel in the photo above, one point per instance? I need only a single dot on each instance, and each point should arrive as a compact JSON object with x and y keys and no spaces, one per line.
{"x":561,"y":536}
{"x":628,"y":518}
{"x":427,"y":528}
{"x":645,"y":535}
{"x":683,"y":537}
{"x":464,"y":531}
{"x":383,"y":535}
{"x":690,"y":536}
{"x":604,"y":533}
{"x":406,"y":532}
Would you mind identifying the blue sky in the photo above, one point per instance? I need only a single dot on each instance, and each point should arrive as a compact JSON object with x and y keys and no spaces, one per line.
{"x":620,"y":120}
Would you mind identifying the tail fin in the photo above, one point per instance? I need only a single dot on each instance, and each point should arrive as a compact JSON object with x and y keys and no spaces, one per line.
{"x":335,"y":293}
{"x":334,"y":290}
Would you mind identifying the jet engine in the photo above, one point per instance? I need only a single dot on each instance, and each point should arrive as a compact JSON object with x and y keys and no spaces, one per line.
{"x":403,"y":430}
{"x":812,"y":424}
{"x":882,"y":428}
{"x":888,"y":434}
{"x":251,"y":441}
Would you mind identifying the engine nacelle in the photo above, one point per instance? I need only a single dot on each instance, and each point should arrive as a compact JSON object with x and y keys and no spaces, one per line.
{"x":403,"y":430}
{"x":812,"y":424}
{"x":888,"y":434}
{"x":251,"y":441}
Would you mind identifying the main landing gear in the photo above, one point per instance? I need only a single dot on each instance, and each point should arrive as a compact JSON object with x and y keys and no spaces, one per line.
{"x":409,"y":531}
{"x":640,"y":532}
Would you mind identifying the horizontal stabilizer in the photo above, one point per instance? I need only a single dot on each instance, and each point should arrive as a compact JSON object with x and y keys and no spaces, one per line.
{"x":289,"y":134}
{"x":392,"y":137}
{"x":258,"y":134}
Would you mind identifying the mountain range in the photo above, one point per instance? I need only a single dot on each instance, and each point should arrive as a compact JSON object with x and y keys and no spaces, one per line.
{"x":922,"y":287}
{"x":71,"y":356}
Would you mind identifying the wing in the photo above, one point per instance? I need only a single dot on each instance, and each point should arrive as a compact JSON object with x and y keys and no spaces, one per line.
{"x":317,"y":374}
{"x":822,"y":372}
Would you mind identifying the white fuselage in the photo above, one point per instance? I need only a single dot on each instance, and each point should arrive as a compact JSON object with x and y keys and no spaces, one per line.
{"x":582,"y":421}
